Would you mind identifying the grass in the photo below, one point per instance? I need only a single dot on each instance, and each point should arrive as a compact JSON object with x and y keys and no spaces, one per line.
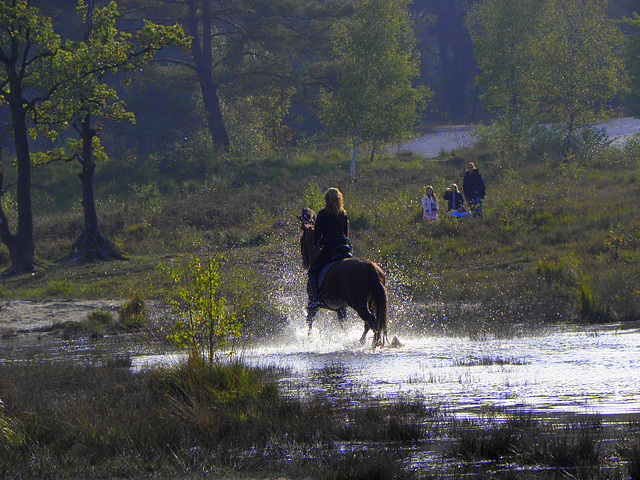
{"x":560,"y":241}
{"x":195,"y":420}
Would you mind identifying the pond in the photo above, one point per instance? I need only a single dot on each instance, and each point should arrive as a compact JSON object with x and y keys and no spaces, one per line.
{"x":553,"y":372}
{"x":569,"y":368}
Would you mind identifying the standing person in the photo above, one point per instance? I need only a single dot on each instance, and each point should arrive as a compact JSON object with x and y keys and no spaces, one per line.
{"x":331,"y":233}
{"x":430,"y":205}
{"x":474,"y":190}
{"x":455,"y":200}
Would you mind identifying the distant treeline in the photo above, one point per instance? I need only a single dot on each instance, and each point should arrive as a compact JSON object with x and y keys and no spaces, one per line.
{"x":253,"y":74}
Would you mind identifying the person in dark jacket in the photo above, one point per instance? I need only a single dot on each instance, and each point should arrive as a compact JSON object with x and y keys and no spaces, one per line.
{"x":474,"y":189}
{"x":331,"y":233}
{"x":455,"y":200}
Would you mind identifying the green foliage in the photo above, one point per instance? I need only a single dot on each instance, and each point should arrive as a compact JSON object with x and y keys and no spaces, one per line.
{"x":148,"y":199}
{"x":59,"y":288}
{"x":201,"y":382}
{"x":205,"y":328}
{"x":623,"y":238}
{"x":81,"y":67}
{"x":375,"y":66}
{"x":545,"y":61}
{"x":579,"y":67}
{"x":503,"y":33}
{"x":586,"y":300}
{"x":103,"y":317}
{"x":313,"y":197}
{"x":10,"y":436}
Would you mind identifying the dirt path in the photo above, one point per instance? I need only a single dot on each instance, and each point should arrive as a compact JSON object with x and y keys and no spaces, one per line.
{"x":448,"y":138}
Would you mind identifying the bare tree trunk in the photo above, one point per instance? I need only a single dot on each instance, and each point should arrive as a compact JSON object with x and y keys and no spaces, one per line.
{"x":21,"y":245}
{"x":373,"y":151}
{"x":201,"y":47}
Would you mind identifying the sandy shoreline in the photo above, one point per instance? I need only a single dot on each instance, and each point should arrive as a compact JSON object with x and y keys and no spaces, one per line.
{"x":25,"y":316}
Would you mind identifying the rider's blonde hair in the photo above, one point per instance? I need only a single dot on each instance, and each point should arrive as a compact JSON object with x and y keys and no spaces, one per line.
{"x":333,"y":201}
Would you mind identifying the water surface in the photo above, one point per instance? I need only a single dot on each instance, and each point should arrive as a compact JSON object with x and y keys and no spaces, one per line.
{"x":573,"y":369}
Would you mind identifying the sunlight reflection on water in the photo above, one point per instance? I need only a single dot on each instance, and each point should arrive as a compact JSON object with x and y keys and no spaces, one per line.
{"x":569,"y":369}
{"x":572,"y":369}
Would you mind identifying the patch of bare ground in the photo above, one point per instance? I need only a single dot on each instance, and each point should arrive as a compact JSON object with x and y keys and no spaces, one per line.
{"x":28,"y":316}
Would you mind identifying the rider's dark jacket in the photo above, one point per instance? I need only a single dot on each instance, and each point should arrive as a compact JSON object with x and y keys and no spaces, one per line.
{"x":330,"y":232}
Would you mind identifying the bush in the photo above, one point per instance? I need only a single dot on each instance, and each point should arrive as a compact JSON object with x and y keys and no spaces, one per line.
{"x":133,"y":314}
{"x":204,"y":327}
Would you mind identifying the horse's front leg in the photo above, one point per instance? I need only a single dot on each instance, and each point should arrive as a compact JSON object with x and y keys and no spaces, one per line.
{"x":311,"y":313}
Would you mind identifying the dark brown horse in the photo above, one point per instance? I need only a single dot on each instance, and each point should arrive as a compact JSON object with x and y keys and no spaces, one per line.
{"x":353,"y":282}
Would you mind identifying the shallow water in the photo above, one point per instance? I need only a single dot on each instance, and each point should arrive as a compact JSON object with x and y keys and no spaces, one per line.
{"x":568,"y":369}
{"x":448,"y":138}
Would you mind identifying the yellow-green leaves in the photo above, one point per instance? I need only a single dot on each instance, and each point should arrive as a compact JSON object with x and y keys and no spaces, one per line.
{"x":204,"y":327}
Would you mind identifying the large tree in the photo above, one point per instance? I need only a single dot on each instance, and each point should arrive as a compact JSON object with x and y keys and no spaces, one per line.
{"x":242,"y":48}
{"x":28,"y":51}
{"x":579,"y":66}
{"x":375,"y":62}
{"x":503,"y":34}
{"x":103,"y":50}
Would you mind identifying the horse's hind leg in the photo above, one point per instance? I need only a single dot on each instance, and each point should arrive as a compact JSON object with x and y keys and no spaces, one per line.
{"x":342,"y":314}
{"x":370,"y":321}
{"x":364,"y":334}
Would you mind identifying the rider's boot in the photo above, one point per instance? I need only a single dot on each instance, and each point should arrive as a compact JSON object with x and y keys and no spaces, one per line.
{"x":314,"y":300}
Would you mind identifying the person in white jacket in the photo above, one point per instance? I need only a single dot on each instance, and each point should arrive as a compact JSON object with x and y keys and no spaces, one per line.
{"x":430,"y":205}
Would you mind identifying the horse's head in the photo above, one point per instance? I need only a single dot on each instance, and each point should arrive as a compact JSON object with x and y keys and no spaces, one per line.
{"x":307,"y":222}
{"x":307,"y":217}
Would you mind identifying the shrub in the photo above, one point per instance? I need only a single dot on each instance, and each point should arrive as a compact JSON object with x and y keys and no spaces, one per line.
{"x":133,"y":314}
{"x":11,"y":438}
{"x":205,"y":327}
{"x":103,"y":317}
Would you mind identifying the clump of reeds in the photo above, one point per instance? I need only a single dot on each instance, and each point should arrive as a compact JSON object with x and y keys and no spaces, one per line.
{"x":133,"y":313}
{"x":572,"y":447}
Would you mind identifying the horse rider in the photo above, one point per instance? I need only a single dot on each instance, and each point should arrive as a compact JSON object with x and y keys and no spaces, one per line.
{"x":331,"y":233}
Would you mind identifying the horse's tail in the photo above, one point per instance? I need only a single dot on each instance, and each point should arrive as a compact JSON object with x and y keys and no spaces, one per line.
{"x":379,"y":296}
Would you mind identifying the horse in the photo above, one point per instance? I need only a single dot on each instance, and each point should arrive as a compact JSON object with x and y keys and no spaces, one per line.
{"x":354,"y":282}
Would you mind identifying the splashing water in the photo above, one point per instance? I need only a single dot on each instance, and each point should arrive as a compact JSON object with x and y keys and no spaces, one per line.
{"x":570,"y":368}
